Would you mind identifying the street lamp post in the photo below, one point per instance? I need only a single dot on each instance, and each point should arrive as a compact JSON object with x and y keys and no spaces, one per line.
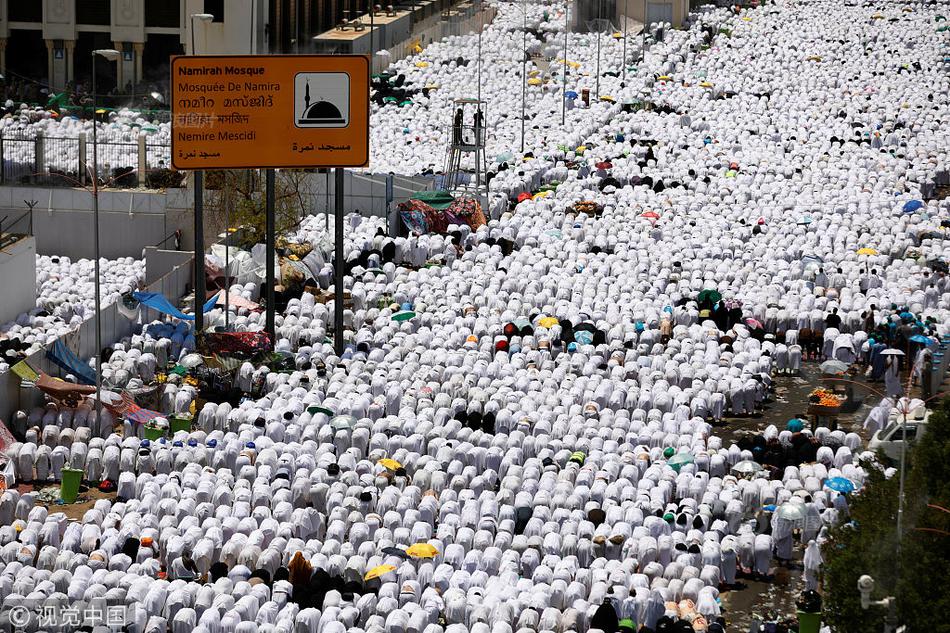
{"x":597,"y":81}
{"x":372,"y":33}
{"x":524,"y":70}
{"x":111,"y":55}
{"x":567,"y":29}
{"x":481,"y":27}
{"x":201,"y":17}
{"x":625,"y":41}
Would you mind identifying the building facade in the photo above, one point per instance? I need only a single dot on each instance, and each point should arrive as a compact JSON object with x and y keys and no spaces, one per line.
{"x":50,"y":42}
{"x":294,"y":23}
{"x":586,"y":13}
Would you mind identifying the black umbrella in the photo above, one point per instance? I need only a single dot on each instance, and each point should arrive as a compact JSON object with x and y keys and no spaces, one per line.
{"x":938,"y":265}
{"x":395,"y":551}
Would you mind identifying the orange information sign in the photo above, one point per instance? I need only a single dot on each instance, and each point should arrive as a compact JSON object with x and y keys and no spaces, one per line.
{"x":268,"y":111}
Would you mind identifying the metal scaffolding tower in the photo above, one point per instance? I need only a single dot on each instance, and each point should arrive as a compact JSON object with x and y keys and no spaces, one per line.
{"x":466,"y":166}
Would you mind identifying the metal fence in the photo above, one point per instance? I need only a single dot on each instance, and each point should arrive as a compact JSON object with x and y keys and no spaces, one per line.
{"x":68,"y":162}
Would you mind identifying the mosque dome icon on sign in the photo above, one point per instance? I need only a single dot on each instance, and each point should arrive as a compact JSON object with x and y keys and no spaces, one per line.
{"x":319,"y":112}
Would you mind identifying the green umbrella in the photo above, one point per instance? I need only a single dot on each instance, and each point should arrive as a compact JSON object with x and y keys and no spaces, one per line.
{"x":709,"y":294}
{"x":404,"y":315}
{"x":390,"y":100}
{"x":679,"y":460}
{"x":323,"y":410}
{"x":57,"y":100}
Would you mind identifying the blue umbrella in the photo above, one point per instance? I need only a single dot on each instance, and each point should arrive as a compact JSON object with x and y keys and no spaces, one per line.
{"x":584,"y":337}
{"x":912,"y":205}
{"x":570,"y":94}
{"x":840,"y":484}
{"x":795,"y":425}
{"x":920,"y":338}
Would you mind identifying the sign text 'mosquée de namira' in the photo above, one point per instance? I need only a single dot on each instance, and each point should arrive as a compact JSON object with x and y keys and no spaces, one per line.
{"x":231,"y":112}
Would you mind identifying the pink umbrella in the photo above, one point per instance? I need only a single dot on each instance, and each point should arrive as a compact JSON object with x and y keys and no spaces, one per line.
{"x":754,"y":323}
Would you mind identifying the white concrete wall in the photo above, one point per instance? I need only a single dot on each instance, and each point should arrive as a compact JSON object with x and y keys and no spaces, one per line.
{"x":18,"y":279}
{"x":82,"y":341}
{"x":160,"y":261}
{"x":128,"y":220}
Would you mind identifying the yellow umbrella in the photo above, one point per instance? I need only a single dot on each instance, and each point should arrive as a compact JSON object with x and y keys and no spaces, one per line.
{"x":618,"y":35}
{"x":548,"y":322}
{"x":814,"y":58}
{"x":534,"y":81}
{"x":534,"y":73}
{"x":746,"y":19}
{"x":705,"y":84}
{"x":422,"y":550}
{"x":867,"y":251}
{"x":608,"y":99}
{"x":541,"y":194}
{"x":391,"y":464}
{"x":422,"y":64}
{"x":378,"y":571}
{"x":664,"y":78}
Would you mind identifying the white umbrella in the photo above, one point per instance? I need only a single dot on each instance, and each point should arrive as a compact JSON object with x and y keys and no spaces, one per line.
{"x":747,"y":467}
{"x":791,"y":511}
{"x":892,"y":352}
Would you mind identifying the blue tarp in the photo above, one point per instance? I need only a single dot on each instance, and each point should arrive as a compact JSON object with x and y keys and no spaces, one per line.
{"x":158,"y":301}
{"x":64,"y":358}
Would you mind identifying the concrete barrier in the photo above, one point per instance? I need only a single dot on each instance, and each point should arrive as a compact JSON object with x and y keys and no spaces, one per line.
{"x":129,"y":220}
{"x":82,"y":340}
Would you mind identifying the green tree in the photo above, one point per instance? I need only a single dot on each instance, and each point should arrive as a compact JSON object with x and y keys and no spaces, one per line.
{"x":235,"y":198}
{"x":919,"y":575}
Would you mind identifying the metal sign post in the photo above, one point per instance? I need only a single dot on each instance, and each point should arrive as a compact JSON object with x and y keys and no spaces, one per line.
{"x":338,"y":266}
{"x":270,"y":248}
{"x":200,"y":292}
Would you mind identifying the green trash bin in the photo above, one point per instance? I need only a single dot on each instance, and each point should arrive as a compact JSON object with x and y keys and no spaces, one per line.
{"x":176,"y":424}
{"x":153,"y":433}
{"x":809,"y":622}
{"x":69,"y":488}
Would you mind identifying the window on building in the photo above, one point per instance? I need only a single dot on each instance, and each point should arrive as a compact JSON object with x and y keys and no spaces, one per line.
{"x":162,"y":13}
{"x":215,"y":8}
{"x":93,"y":12}
{"x":25,"y":11}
